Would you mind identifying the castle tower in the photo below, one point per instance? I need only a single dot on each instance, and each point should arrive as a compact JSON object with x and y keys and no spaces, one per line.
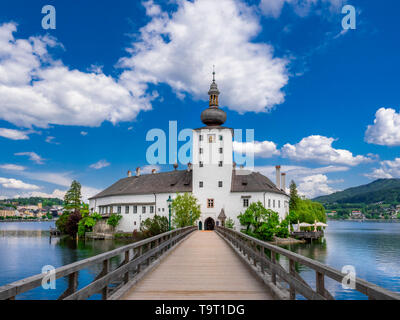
{"x":212,"y":160}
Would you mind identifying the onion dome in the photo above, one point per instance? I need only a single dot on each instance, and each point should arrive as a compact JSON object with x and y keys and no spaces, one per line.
{"x":213,"y":116}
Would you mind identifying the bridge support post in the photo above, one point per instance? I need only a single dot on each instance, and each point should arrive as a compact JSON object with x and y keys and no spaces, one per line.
{"x":273,"y":274}
{"x":126,"y":276}
{"x":106,"y":269}
{"x":320,"y":283}
{"x":292,"y":271}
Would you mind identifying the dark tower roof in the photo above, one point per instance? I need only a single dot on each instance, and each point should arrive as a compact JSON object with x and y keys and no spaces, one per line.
{"x":213,"y":116}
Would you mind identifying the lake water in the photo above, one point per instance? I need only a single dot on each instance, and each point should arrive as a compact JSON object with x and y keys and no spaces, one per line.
{"x":25,"y":248}
{"x":373,"y":248}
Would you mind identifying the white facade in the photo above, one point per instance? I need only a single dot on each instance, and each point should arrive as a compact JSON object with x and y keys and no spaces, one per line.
{"x":212,"y":172}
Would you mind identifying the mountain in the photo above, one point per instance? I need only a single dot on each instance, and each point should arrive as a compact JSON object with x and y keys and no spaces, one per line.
{"x":385,"y":190}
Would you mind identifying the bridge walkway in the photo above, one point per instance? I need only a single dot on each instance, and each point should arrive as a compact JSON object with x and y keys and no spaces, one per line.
{"x":203,"y":267}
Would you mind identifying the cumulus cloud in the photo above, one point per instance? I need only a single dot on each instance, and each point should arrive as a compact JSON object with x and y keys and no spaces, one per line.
{"x":273,"y":8}
{"x":55,"y":194}
{"x":33,"y":156}
{"x":389,"y":169}
{"x":99,"y":164}
{"x":37,"y":90}
{"x":315,"y":185}
{"x":51,"y":139}
{"x":179,"y":49}
{"x":12,"y":167}
{"x":319,"y":148}
{"x":263,"y":149}
{"x":11,"y":183}
{"x":386,"y":128}
{"x":13,"y":134}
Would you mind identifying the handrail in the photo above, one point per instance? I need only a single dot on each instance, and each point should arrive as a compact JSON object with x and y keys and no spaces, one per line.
{"x":143,"y":252}
{"x":255,"y":250}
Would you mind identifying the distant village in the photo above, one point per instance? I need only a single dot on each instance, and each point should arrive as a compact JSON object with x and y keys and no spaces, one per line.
{"x":14,"y":210}
{"x":377,"y":210}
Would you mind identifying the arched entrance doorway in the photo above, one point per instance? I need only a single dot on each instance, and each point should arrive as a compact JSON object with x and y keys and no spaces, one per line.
{"x":200,"y":225}
{"x":209,"y":224}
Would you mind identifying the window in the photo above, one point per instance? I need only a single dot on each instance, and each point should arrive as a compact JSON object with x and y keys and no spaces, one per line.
{"x":200,"y":137}
{"x":163,"y":209}
{"x":210,"y":203}
{"x":273,"y":203}
{"x":269,"y":203}
{"x":143,"y":209}
{"x":134,"y":209}
{"x":220,"y":184}
{"x":158,"y":209}
{"x":220,"y":164}
{"x":134,"y":223}
{"x":111,"y":209}
{"x":200,"y":184}
{"x":279,"y":203}
{"x":126,"y":209}
{"x":119,"y":209}
{"x":201,"y":164}
{"x":151,"y":209}
{"x":220,"y":150}
{"x":245,"y":203}
{"x":201,"y":150}
{"x":211,"y":138}
{"x":221,"y":138}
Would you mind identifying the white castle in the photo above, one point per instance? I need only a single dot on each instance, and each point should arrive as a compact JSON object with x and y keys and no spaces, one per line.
{"x":222,"y":190}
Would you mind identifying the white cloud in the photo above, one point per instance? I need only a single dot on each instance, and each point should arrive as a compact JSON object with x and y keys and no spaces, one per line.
{"x":386,"y":128}
{"x":319,"y":148}
{"x":13,"y":134}
{"x":84,"y":133}
{"x":11,"y":183}
{"x":149,"y":168}
{"x":33,"y":156}
{"x":12,"y":167}
{"x":389,"y":169}
{"x":264,"y":149}
{"x":273,"y":8}
{"x":315,"y":185}
{"x":179,"y":49}
{"x":99,"y":164}
{"x":50,"y":139}
{"x":55,"y":194}
{"x":37,"y":90}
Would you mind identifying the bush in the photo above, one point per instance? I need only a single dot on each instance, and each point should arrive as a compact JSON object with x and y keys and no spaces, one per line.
{"x":87,"y":223}
{"x":157,"y":225}
{"x":114,"y":219}
{"x":229,"y":223}
{"x":71,"y":227}
{"x":283,"y":231}
{"x":61,"y":222}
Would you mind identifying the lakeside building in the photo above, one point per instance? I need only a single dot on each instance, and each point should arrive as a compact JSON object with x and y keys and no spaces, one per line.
{"x":222,"y":190}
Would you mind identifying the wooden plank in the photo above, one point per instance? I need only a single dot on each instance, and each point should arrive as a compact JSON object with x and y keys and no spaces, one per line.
{"x":203,"y":267}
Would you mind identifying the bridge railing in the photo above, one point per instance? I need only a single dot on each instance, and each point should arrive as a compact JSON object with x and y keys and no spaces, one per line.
{"x":263,"y":256}
{"x":136,"y":256}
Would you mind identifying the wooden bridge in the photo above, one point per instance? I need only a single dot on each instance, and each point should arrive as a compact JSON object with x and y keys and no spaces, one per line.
{"x":190,"y":264}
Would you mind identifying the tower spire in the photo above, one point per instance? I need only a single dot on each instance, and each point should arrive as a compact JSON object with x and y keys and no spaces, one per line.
{"x":213,"y":92}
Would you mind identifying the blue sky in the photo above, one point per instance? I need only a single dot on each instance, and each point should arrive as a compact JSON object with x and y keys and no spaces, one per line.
{"x":77,"y":102}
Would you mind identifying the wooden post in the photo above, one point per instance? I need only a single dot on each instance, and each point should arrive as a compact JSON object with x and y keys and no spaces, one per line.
{"x":292,"y":271}
{"x":126,"y":276}
{"x":72,"y":285}
{"x":273,"y":274}
{"x":261,"y":253}
{"x":320,"y":283}
{"x":106,"y":269}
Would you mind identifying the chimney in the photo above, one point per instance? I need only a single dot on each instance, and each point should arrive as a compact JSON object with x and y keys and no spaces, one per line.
{"x":283,"y":175}
{"x":153,"y":171}
{"x":189,"y":166}
{"x":278,"y":177}
{"x":138,"y":171}
{"x":129,"y":173}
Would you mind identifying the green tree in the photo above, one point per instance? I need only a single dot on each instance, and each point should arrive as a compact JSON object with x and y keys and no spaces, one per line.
{"x":88,"y":220}
{"x":185,"y":210}
{"x":113,"y":219}
{"x":71,"y":226}
{"x":62,"y":221}
{"x":72,"y":199}
{"x":154,"y":226}
{"x":294,"y":197}
{"x":229,"y":223}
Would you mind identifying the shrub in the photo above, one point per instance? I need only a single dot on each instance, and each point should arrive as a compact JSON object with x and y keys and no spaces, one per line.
{"x":154,"y":226}
{"x":71,"y":227}
{"x":62,"y":221}
{"x":229,"y":223}
{"x":114,"y":219}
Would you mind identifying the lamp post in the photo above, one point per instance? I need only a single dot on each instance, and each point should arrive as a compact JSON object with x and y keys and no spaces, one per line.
{"x":169,"y":200}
